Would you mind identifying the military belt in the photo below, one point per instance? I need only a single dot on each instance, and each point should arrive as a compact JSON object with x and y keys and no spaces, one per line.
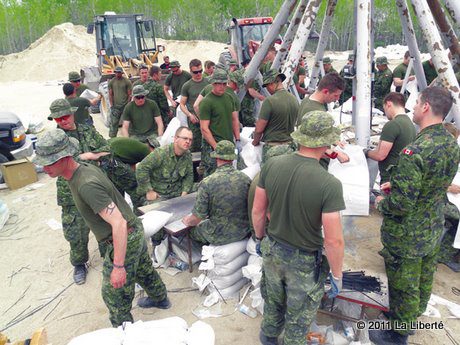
{"x":130,"y":231}
{"x":290,"y":248}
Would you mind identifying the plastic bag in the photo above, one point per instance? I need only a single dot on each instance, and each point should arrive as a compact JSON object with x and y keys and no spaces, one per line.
{"x":153,"y":221}
{"x":252,"y":155}
{"x":168,"y":135}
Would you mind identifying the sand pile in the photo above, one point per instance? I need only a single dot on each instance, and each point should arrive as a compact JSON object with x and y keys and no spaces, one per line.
{"x":64,"y":48}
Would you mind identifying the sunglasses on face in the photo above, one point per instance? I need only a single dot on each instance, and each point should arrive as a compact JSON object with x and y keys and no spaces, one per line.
{"x":139,"y":97}
{"x":62,"y":118}
{"x":197,"y":72}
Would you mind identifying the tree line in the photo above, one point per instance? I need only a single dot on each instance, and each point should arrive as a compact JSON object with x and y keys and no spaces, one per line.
{"x":22,"y":22}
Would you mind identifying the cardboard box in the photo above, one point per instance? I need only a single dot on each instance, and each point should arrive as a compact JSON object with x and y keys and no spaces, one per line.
{"x":19,"y":173}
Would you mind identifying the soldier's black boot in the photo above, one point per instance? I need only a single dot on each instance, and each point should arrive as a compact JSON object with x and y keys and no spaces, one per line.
{"x":264,"y":340}
{"x":388,"y":337}
{"x":79,"y":274}
{"x":147,"y":302}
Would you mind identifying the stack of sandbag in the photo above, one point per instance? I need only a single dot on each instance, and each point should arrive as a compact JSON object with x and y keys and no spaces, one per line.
{"x":222,"y":266}
{"x":253,"y":271}
{"x":169,"y":331}
{"x":251,"y":155}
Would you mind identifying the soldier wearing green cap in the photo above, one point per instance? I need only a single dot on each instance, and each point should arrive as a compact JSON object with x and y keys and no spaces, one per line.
{"x":120,"y":89}
{"x":232,"y":65}
{"x":174,"y":82}
{"x":278,"y":114}
{"x":126,"y":260}
{"x":218,"y":119}
{"x":220,"y":213}
{"x":399,"y":72}
{"x":382,"y":81}
{"x":141,"y":117}
{"x":75,"y":80}
{"x":327,"y":65}
{"x":294,"y":271}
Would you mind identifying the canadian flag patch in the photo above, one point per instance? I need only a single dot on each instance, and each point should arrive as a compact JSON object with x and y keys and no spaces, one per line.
{"x":408,"y":152}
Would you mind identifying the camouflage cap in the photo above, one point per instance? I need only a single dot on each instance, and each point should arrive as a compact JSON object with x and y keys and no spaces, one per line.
{"x":271,"y":75}
{"x":351,"y":57}
{"x":54,"y":145}
{"x":316,"y":130}
{"x":224,"y":150}
{"x":381,"y":60}
{"x":61,"y":107}
{"x":278,"y":150}
{"x":237,"y":77}
{"x":174,"y":63}
{"x":139,"y":90}
{"x":327,"y":59}
{"x":118,"y":69}
{"x":153,"y":141}
{"x":74,"y":76}
{"x":233,"y":62}
{"x":219,"y":76}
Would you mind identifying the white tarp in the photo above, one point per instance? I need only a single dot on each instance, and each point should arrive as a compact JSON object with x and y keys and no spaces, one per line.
{"x":455,"y":199}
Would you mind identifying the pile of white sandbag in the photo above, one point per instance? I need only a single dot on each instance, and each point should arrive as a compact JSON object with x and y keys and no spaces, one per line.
{"x":169,"y":331}
{"x":253,"y":271}
{"x":222,"y":266}
{"x":251,"y":155}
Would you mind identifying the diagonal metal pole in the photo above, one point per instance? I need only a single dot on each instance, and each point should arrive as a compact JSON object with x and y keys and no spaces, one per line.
{"x":446,"y":29}
{"x":438,"y":54}
{"x":453,"y":7}
{"x":411,"y":40}
{"x":300,"y":39}
{"x":322,"y":44}
{"x":289,"y":35}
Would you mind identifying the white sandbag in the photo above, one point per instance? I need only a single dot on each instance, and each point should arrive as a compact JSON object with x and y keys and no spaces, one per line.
{"x":4,"y":213}
{"x":179,"y":248}
{"x":224,"y":254}
{"x":106,"y":336}
{"x":252,"y":155}
{"x":246,"y":135}
{"x":223,"y":282}
{"x":251,"y":171}
{"x":153,"y":221}
{"x":251,"y":246}
{"x":180,"y":115}
{"x":253,"y":273}
{"x":200,"y":333}
{"x":201,"y":282}
{"x":354,"y":176}
{"x":89,"y":94}
{"x":160,"y":253}
{"x":169,"y":331}
{"x":257,"y":300}
{"x":230,"y":267}
{"x":168,"y":135}
{"x":255,"y":260}
{"x":233,"y":290}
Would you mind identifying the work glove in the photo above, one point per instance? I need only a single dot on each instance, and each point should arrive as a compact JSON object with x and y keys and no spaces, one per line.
{"x":258,"y":251}
{"x":336,"y":286}
{"x":239,"y":147}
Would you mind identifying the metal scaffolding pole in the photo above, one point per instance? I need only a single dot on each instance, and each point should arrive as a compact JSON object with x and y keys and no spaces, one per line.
{"x":363,"y":72}
{"x":273,"y":32}
{"x":411,"y":40}
{"x":438,"y":54}
{"x":446,"y":29}
{"x":300,"y":39}
{"x":322,"y":44}
{"x":453,"y":7}
{"x":289,"y":35}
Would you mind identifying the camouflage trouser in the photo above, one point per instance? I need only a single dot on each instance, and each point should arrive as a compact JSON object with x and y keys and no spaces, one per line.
{"x":209,"y":164}
{"x":290,"y":292}
{"x":247,"y":118}
{"x":139,"y":269}
{"x":409,"y":284}
{"x":268,"y":146}
{"x":115,"y":115}
{"x":197,"y":137}
{"x":76,"y":232}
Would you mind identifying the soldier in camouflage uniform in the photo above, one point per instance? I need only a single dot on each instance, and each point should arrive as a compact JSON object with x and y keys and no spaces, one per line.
{"x":157,"y":94}
{"x":348,"y":91}
{"x":110,"y":218}
{"x":382,"y":82}
{"x":294,"y":270}
{"x":120,"y":89}
{"x":222,"y":202}
{"x":412,"y":214}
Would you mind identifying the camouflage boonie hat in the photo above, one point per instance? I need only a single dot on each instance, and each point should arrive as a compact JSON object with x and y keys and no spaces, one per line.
{"x":74,"y":76}
{"x":316,"y":130}
{"x":174,"y":63}
{"x":237,"y":77}
{"x":61,"y":107}
{"x":139,"y":90}
{"x":233,"y":62}
{"x":381,"y":60}
{"x":327,"y":59}
{"x":53,"y":146}
{"x":219,"y":76}
{"x":351,"y":57}
{"x":270,"y":77}
{"x":153,"y":141}
{"x":278,"y":150}
{"x":118,"y":69}
{"x":224,"y":150}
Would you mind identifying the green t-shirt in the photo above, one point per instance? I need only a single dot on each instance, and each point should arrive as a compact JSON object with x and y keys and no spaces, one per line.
{"x":308,"y":105}
{"x":400,"y":131}
{"x":141,"y":118}
{"x":130,"y":151}
{"x":429,"y":71}
{"x":175,"y":82}
{"x":207,"y":90}
{"x":120,"y":88}
{"x":81,"y":88}
{"x":92,"y":191}
{"x":218,"y":110}
{"x":400,"y":72}
{"x":296,"y":206}
{"x":191,"y":89}
{"x":280,"y":111}
{"x":82,"y":113}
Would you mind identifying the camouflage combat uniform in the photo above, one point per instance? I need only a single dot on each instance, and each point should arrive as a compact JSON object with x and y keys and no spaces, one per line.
{"x":413,"y":220}
{"x":156,"y":93}
{"x":382,"y":85}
